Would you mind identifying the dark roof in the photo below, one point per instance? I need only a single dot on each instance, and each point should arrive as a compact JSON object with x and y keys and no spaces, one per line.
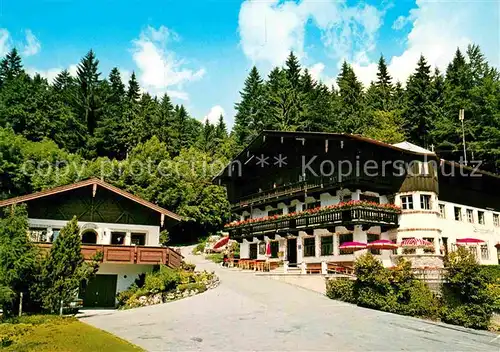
{"x":298,"y":134}
{"x":90,"y":182}
{"x":257,"y":140}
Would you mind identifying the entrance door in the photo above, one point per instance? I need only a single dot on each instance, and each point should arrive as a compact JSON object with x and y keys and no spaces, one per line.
{"x":253,"y":251}
{"x":100,"y":291}
{"x":291,"y":251}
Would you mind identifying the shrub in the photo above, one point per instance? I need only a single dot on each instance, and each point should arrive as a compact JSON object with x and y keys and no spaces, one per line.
{"x":216,"y":257}
{"x":372,"y":288}
{"x":467,"y":299}
{"x":341,"y":289}
{"x":192,"y":286}
{"x":200,"y":247}
{"x":164,"y":280}
{"x":421,"y":301}
{"x":187,"y":266}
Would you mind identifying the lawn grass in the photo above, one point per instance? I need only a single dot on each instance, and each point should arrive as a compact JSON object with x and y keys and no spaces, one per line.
{"x":56,"y":334}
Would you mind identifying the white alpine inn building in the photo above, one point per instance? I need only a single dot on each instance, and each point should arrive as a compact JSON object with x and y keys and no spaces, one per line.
{"x":441,"y":202}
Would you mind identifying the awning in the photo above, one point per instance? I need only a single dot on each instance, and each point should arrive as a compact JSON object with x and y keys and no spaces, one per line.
{"x":353,"y":245}
{"x":222,"y":242}
{"x":468,"y":241}
{"x":416,"y":243}
{"x":382,"y":244}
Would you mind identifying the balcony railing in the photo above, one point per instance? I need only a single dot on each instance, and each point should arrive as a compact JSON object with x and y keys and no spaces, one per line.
{"x":311,"y":184}
{"x":336,"y":217}
{"x":119,"y":254}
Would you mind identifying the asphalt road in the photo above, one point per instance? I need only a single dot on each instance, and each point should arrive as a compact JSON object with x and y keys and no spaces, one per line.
{"x":252,"y":313}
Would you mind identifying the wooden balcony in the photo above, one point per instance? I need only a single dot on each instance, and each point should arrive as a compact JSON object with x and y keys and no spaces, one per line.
{"x":128,"y":254}
{"x":363,"y":216}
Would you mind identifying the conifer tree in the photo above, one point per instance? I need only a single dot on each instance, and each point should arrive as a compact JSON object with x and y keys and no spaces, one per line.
{"x":133,"y":91}
{"x":18,"y":257}
{"x":418,"y":112}
{"x":88,"y":99}
{"x":351,"y":101}
{"x":11,"y":66}
{"x":64,"y":268}
{"x":250,"y":116}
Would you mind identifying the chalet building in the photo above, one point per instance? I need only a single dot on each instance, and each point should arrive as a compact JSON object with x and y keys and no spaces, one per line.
{"x":124,"y":227}
{"x":313,"y":197}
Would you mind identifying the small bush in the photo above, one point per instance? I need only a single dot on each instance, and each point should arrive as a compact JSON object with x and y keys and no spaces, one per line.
{"x":341,"y":289}
{"x":192,"y":286}
{"x":187,"y":266}
{"x":200,"y":247}
{"x":216,"y":257}
{"x":469,"y":315}
{"x":161,"y":281}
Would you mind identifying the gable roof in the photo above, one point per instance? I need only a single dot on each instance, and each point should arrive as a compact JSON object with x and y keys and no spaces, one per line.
{"x":257,"y":140}
{"x":412,"y":147}
{"x":94,"y":182}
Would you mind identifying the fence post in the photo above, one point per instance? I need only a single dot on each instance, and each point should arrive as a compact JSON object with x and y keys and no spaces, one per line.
{"x":61,"y":308}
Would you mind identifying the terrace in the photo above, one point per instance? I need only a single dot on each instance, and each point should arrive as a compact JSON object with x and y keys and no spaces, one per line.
{"x":120,"y":254}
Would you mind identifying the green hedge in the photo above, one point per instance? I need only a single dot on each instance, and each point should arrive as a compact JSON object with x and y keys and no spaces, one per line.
{"x":341,"y":289}
{"x":396,"y":291}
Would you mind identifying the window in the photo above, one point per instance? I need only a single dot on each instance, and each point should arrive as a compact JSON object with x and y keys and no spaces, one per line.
{"x":425,"y":201}
{"x":442,"y":211}
{"x":327,"y":245}
{"x":407,"y":202}
{"x":37,"y":234}
{"x":292,"y":209}
{"x":429,"y":249}
{"x":89,"y":237}
{"x":252,"y":251}
{"x":480,"y":217}
{"x":373,"y":237}
{"x":485,"y":253}
{"x":458,"y":214}
{"x":470,"y":215}
{"x":347,"y":237}
{"x":309,"y":247}
{"x":138,"y":239}
{"x":373,"y":199}
{"x":275,"y":212}
{"x":496,"y":220}
{"x":275,"y":247}
{"x":408,"y":250}
{"x":312,"y":205}
{"x":55,"y":234}
{"x":117,"y":237}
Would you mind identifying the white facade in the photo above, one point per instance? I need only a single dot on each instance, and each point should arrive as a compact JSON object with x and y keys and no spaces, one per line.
{"x":103,"y":230}
{"x":126,"y":273}
{"x":423,"y":216}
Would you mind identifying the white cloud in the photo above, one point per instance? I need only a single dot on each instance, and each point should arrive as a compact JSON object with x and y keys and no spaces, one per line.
{"x":4,"y":41}
{"x":269,"y":30}
{"x":214,"y":114}
{"x":317,"y":73}
{"x":401,"y":22}
{"x":437,"y":32}
{"x":158,"y":68}
{"x":32,"y":46}
{"x":49,"y":74}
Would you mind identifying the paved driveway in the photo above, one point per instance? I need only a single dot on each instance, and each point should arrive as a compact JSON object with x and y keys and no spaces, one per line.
{"x":252,"y":313}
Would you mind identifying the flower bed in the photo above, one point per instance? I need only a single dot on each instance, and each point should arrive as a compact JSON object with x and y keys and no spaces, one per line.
{"x":319,"y":210}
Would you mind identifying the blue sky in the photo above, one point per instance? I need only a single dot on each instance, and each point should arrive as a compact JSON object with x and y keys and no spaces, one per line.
{"x":201,"y":51}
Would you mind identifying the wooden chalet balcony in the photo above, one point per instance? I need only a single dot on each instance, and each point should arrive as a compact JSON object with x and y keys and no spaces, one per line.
{"x":119,"y":254}
{"x":359,"y":215}
{"x":311,"y":185}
